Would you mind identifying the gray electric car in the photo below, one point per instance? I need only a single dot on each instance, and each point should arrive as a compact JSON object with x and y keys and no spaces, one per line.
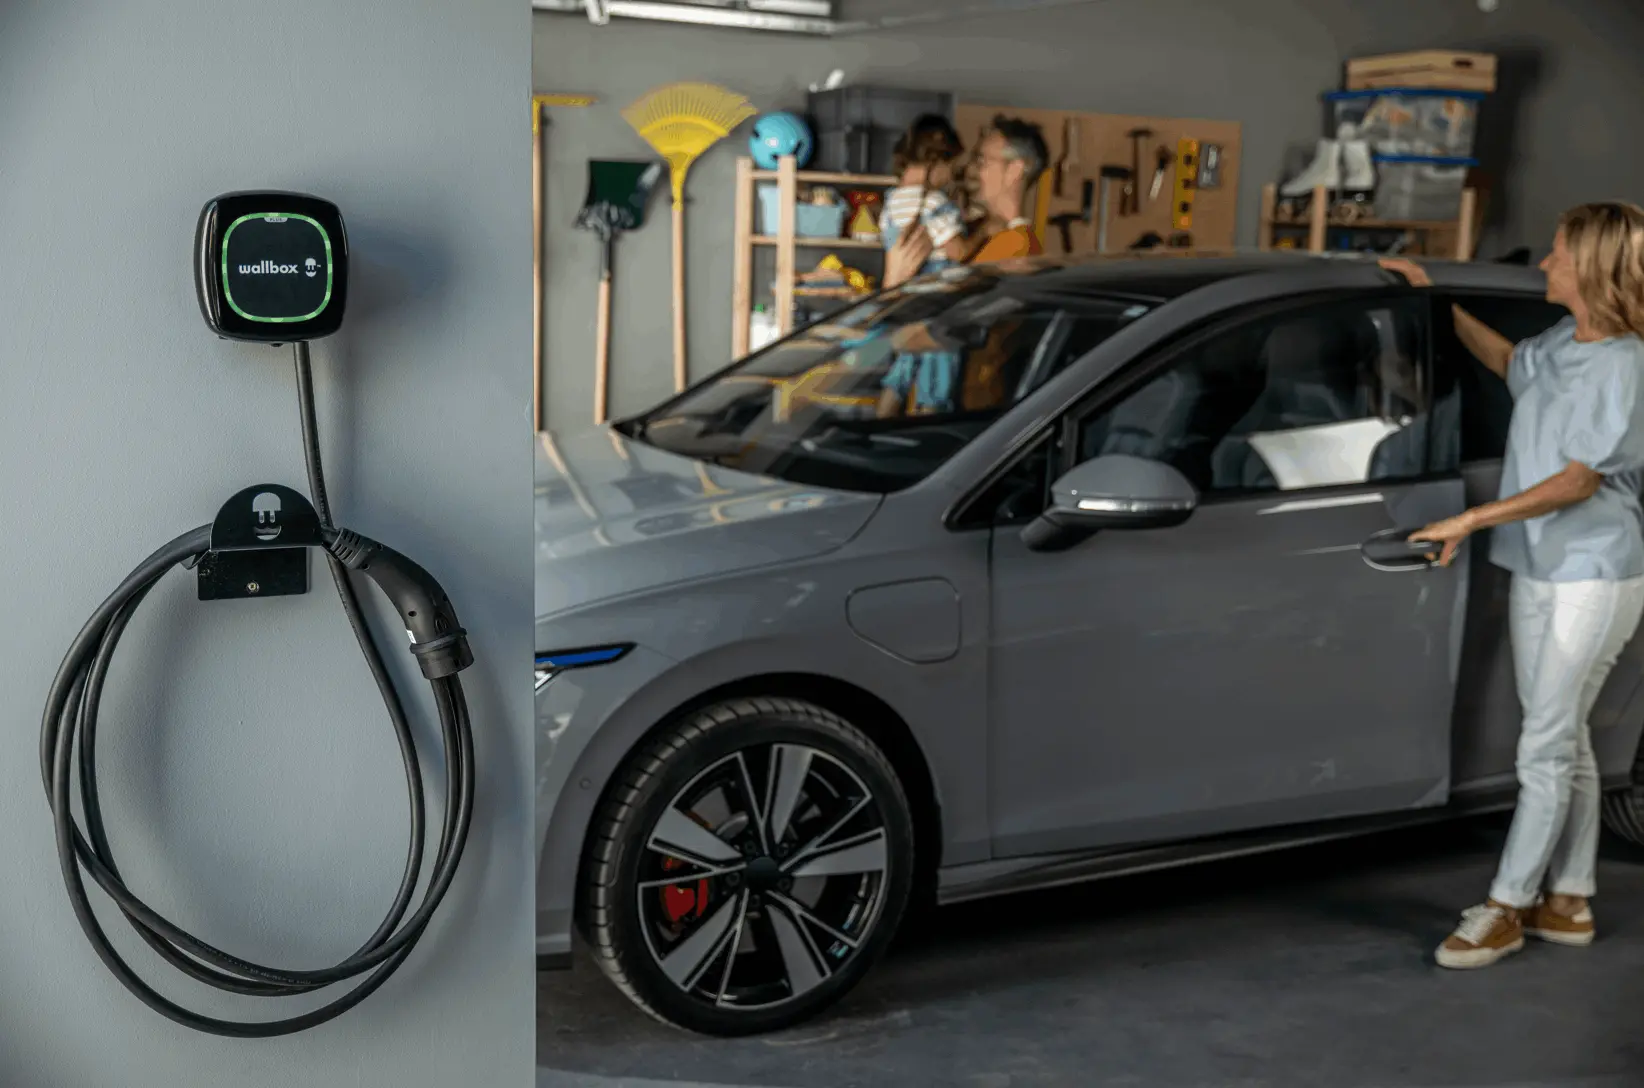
{"x":1016,"y":577}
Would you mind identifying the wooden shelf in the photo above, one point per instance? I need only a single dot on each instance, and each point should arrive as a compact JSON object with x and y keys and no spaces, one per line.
{"x":812,"y":177}
{"x":785,"y":241}
{"x":815,"y":243}
{"x":1319,"y":224}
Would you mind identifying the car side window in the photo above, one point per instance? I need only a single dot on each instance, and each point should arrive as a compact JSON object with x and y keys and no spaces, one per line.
{"x":1325,"y":395}
{"x":1472,"y":406}
{"x":1019,"y":494}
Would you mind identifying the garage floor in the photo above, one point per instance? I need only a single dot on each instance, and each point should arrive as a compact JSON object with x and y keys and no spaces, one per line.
{"x":1305,"y":968}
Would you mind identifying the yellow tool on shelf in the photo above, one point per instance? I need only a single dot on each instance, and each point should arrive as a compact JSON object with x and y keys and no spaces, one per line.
{"x":831,"y":267}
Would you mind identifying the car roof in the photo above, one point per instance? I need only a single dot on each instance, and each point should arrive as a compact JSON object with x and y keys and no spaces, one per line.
{"x":1158,"y":274}
{"x":1162,"y":273}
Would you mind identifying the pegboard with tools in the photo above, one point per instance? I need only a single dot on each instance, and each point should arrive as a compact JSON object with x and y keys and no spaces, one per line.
{"x":1128,"y":182}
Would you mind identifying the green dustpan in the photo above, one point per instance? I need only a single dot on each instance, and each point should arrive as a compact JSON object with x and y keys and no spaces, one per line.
{"x":618,"y":191}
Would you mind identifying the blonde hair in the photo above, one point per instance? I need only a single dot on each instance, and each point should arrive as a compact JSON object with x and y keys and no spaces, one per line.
{"x":1606,"y":244}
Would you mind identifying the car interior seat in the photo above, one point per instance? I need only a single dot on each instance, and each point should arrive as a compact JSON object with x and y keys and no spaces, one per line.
{"x":1316,"y":369}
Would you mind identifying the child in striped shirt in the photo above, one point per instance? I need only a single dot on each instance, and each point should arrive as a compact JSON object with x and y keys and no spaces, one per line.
{"x":926,"y":156}
{"x":920,"y":383}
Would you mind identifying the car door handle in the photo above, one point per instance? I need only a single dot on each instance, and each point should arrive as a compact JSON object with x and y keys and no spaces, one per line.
{"x":1392,"y":549}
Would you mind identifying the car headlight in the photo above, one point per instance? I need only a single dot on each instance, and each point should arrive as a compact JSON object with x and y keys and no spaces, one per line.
{"x":551,"y":663}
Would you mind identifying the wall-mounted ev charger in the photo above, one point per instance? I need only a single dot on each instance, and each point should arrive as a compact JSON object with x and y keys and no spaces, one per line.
{"x":270,"y":267}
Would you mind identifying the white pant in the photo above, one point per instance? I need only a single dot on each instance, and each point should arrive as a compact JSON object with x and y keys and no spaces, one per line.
{"x":1566,"y":638}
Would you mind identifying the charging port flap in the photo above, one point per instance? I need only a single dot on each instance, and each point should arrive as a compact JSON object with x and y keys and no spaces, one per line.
{"x":259,"y":545}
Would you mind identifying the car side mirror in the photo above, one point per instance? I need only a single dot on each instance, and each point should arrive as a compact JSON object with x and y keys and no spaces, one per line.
{"x":1115,"y":491}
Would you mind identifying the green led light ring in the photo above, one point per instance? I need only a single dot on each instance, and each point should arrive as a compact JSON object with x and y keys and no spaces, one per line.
{"x":228,"y":292}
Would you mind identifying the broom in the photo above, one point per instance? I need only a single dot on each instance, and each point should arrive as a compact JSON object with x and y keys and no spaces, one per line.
{"x":681,"y":121}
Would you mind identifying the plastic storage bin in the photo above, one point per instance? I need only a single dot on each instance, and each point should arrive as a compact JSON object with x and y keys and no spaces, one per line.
{"x":857,"y":127}
{"x":1409,"y":121}
{"x":1420,"y":187}
{"x":810,"y":220}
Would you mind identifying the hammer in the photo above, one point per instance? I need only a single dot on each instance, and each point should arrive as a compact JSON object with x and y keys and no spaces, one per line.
{"x":1065,"y":221}
{"x":1110,"y":174}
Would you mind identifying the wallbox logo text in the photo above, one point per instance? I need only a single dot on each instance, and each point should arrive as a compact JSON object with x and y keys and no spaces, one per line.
{"x":270,"y":268}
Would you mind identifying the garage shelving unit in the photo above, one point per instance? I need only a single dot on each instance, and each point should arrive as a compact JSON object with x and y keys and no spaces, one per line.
{"x":1454,"y":238}
{"x":785,"y":243}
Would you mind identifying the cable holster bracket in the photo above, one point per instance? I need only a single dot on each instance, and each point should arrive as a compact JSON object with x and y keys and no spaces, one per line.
{"x":259,"y":545}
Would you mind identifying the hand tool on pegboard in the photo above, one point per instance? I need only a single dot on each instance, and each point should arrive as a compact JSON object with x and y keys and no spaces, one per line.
{"x":1153,"y":240}
{"x":1163,"y":159}
{"x":1041,"y":206}
{"x":1065,"y":221}
{"x":1110,"y":173}
{"x":1132,"y":202}
{"x":1187,"y":184}
{"x":1068,"y":164}
{"x":538,"y":170}
{"x":1210,"y":166}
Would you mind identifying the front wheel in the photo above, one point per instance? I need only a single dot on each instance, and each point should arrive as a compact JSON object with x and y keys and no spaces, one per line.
{"x":750,"y":865}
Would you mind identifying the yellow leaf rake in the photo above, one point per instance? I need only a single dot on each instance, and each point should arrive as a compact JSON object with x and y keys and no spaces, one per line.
{"x":681,"y":121}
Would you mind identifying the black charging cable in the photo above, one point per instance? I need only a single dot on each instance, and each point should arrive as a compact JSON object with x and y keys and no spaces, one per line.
{"x":441,"y":648}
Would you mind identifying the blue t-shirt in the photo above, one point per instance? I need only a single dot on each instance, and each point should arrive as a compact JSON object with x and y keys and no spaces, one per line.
{"x":1580,"y":402}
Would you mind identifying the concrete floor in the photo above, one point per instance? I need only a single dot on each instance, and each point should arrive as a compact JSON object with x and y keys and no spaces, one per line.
{"x":1300,"y":969}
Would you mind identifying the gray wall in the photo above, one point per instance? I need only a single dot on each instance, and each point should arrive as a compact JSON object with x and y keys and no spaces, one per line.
{"x":1555,"y":134}
{"x":251,"y":779}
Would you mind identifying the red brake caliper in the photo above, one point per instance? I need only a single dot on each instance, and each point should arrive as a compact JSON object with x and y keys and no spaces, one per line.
{"x":680,"y":901}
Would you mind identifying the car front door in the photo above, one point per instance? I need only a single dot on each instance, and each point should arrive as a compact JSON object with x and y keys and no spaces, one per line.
{"x":1249,"y":667}
{"x":1473,"y":410}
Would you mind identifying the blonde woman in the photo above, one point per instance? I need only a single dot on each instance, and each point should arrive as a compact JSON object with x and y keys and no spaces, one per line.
{"x":1569,"y":527}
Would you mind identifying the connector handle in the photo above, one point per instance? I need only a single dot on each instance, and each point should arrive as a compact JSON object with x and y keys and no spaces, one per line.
{"x":437,"y":640}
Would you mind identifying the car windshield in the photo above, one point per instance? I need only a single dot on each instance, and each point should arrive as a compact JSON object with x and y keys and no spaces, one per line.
{"x":876,"y":397}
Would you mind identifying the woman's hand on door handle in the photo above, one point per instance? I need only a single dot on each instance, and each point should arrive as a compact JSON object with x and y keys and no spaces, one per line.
{"x":1448,"y":534}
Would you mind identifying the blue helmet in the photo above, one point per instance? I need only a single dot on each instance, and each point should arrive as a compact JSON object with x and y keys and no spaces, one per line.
{"x":779,"y":134}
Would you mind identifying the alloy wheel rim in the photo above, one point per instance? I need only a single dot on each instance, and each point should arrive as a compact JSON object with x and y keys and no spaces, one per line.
{"x":763,"y":877}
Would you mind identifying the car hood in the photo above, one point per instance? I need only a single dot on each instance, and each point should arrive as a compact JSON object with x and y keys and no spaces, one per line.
{"x":615,"y":516}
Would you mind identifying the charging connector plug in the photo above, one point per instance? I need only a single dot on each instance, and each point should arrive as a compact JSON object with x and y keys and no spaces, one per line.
{"x":437,"y":639}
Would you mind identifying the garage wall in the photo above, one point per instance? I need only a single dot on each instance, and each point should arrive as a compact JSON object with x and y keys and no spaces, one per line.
{"x":251,"y":780}
{"x":1555,"y":133}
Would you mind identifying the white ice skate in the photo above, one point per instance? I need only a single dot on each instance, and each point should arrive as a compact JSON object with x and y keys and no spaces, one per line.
{"x":1344,"y":168}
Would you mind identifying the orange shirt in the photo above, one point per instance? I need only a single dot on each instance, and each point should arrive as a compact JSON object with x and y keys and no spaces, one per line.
{"x":1017,"y":241}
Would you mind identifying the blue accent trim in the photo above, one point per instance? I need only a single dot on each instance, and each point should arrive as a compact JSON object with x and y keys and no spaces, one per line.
{"x":1436,"y":160}
{"x":1406,"y":92}
{"x":574,"y":659}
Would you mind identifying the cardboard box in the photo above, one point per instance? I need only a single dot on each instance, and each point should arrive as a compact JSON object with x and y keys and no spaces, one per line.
{"x":1434,"y":68}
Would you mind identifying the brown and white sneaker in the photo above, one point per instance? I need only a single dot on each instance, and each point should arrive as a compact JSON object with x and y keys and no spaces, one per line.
{"x":1544,"y":923}
{"x":1487,"y":933}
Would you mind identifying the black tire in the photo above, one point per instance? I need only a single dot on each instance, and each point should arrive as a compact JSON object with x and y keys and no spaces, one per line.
{"x":1623,"y":810}
{"x":1623,"y":813}
{"x":732,"y":738}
